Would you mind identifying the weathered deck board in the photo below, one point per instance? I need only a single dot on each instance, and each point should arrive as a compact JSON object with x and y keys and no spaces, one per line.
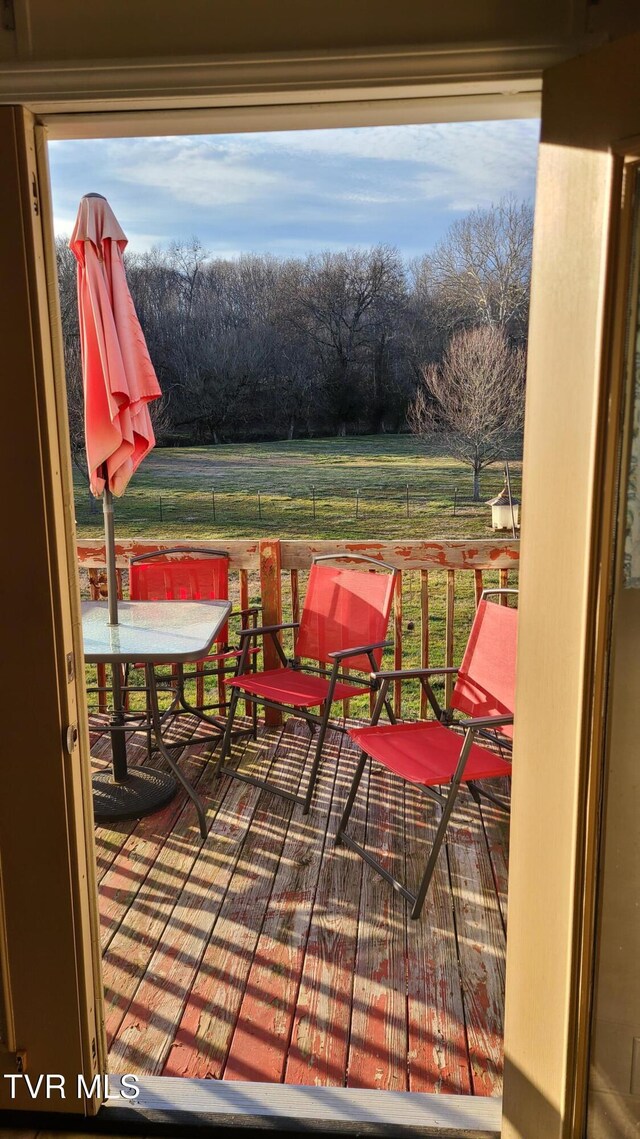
{"x":170,"y":973}
{"x":211,"y":1009}
{"x":320,"y":1034}
{"x":130,"y":958}
{"x":480,"y":937}
{"x":123,"y":883}
{"x":110,"y":841}
{"x":438,"y":1060}
{"x":260,"y":1041}
{"x":496,"y":829}
{"x":268,"y":953}
{"x":378,"y":1040}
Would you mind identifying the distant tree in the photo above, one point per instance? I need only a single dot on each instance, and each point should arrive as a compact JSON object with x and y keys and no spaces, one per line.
{"x":336,"y":342}
{"x":68,"y":291}
{"x":481,"y":272}
{"x":338,"y":303}
{"x":476,"y":395}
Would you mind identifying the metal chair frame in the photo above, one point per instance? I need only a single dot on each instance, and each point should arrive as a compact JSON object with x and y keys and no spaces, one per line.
{"x":321,"y":721}
{"x":180,"y":705}
{"x":484,"y":726}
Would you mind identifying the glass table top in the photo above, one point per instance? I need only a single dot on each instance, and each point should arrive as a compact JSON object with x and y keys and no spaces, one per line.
{"x":151,"y":631}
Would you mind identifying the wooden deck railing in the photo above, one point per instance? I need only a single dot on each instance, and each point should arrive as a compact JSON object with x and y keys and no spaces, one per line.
{"x":440,"y":579}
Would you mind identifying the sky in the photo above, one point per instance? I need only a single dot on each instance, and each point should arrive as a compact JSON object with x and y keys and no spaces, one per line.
{"x":295,"y":192}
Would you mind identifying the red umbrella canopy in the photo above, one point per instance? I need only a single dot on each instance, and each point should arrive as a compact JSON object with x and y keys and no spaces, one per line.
{"x":118,"y":376}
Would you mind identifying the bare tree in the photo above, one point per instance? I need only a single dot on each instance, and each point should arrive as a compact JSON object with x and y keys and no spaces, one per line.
{"x":259,"y":347}
{"x":480,"y":273}
{"x":336,"y":304}
{"x":476,"y":395}
{"x":68,"y":292}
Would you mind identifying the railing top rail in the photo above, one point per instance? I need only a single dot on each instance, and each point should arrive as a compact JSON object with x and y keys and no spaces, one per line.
{"x":454,"y":553}
{"x":243,"y":554}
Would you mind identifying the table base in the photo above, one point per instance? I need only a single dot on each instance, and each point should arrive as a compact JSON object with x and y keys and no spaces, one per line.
{"x":144,"y":791}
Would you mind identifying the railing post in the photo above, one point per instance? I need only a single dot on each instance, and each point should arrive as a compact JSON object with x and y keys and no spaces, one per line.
{"x":271,"y":591}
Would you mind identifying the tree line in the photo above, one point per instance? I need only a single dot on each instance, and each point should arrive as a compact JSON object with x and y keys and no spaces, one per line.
{"x":334,"y":343}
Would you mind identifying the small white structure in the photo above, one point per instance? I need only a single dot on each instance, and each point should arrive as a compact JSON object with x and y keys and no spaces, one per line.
{"x":505,"y":510}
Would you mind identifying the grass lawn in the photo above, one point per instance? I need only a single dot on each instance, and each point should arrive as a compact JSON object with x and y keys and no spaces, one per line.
{"x":171,"y":495}
{"x":360,"y":492}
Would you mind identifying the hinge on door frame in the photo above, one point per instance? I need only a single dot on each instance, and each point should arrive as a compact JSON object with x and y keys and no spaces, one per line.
{"x":8,"y":16}
{"x":34,"y":192}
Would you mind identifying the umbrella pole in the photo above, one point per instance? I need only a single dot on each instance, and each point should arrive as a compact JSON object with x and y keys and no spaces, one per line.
{"x":110,"y":554}
{"x":118,"y":740}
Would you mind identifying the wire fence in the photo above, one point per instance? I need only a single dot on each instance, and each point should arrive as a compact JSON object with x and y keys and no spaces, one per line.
{"x":217,"y":505}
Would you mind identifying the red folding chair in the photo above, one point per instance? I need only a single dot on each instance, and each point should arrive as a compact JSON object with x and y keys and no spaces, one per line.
{"x":185,"y":573}
{"x":344,"y":621}
{"x":432,"y":754}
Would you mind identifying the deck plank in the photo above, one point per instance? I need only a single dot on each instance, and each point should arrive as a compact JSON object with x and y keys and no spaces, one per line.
{"x":260,"y":1042}
{"x":438,"y":1060}
{"x":496,"y":829}
{"x":145,"y":930}
{"x":139,"y":856}
{"x":320,"y":1032}
{"x":274,"y":955}
{"x":191,"y":902}
{"x":207,"y":1021}
{"x":481,"y":945}
{"x":378,"y":1038}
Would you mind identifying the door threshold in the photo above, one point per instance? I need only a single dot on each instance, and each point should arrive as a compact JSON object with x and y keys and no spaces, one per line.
{"x":187,"y":1103}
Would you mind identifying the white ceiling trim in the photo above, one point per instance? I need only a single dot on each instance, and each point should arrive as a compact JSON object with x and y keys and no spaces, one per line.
{"x":280,"y":79}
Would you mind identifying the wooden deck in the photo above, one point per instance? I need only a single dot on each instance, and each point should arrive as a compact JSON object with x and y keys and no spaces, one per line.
{"x":267,"y":953}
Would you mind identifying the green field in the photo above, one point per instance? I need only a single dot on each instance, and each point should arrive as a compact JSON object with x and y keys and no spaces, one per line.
{"x":360,"y":492}
{"x":171,"y":496}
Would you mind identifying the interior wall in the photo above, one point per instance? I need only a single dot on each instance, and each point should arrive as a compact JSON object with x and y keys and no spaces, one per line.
{"x":119,"y":29}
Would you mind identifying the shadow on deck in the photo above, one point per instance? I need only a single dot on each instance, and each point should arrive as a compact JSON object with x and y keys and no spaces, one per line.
{"x":267,"y":953}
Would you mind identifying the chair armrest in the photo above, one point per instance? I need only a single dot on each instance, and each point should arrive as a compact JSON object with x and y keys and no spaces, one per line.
{"x":407,"y":673}
{"x":342,"y":654}
{"x":260,"y":630}
{"x":245,"y":612}
{"x":484,"y":722}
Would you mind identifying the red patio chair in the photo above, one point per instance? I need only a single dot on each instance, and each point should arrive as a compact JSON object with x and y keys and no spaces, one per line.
{"x":344,"y":621}
{"x":185,"y":573}
{"x":431,"y":754}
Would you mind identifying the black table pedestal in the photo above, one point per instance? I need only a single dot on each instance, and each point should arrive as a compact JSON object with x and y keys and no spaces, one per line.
{"x":143,"y":791}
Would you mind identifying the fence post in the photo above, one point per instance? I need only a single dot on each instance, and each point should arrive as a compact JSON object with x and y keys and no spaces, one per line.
{"x":271,"y":592}
{"x":407,"y":500}
{"x":357,"y":503}
{"x":259,"y":507}
{"x":160,"y":501}
{"x":213,"y":503}
{"x":313,"y":489}
{"x":455,"y":500}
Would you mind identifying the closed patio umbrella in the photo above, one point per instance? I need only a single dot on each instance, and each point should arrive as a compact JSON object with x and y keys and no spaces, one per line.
{"x":119,"y":383}
{"x":118,"y":377}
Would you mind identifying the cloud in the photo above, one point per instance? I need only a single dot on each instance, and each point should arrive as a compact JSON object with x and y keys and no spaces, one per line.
{"x":203,"y":174}
{"x":466,"y":162}
{"x":291,"y":192}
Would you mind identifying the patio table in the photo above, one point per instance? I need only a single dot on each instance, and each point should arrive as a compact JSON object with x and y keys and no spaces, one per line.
{"x":148,"y":633}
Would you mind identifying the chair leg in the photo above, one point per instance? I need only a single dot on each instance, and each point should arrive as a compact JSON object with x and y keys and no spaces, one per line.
{"x":316,"y":760}
{"x":226,"y":739}
{"x":433,"y":856}
{"x":442,"y":828}
{"x":353,"y":791}
{"x":474,"y":792}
